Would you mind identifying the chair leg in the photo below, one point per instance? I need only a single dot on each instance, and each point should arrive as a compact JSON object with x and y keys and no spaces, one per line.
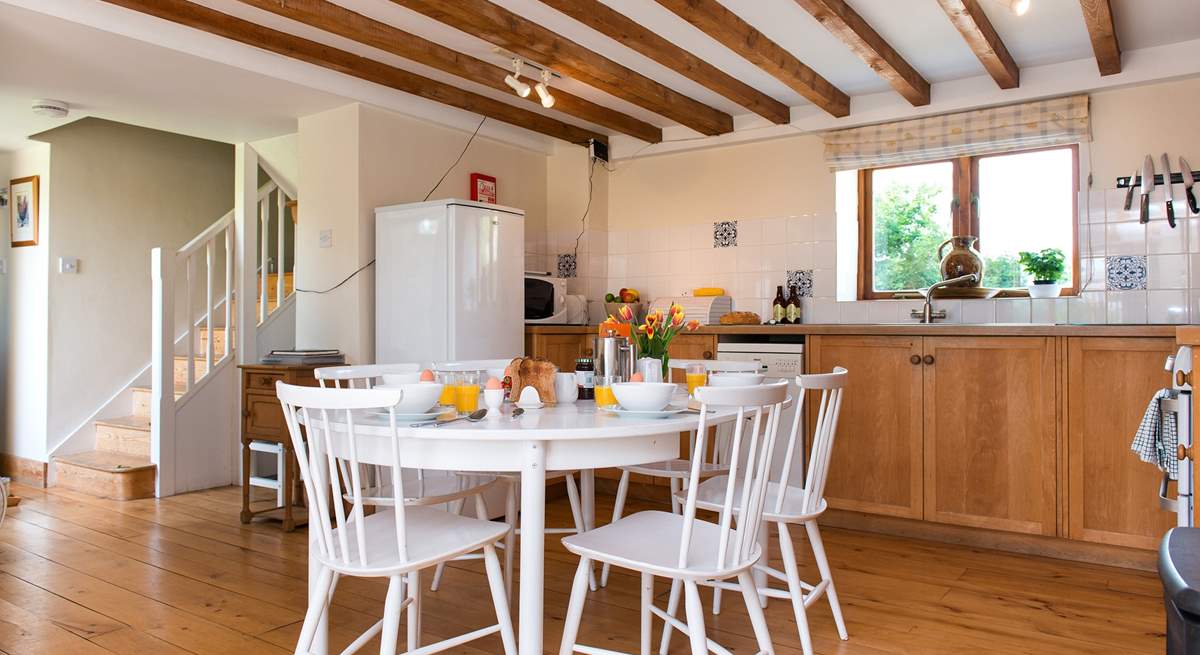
{"x":795,"y":591}
{"x":761,"y":579}
{"x":818,"y":546}
{"x":317,"y":602}
{"x":575,"y":608}
{"x":414,"y":610}
{"x":762,"y":633}
{"x":695,"y":618}
{"x":390,"y":635}
{"x":618,"y":508}
{"x":672,"y":609}
{"x":675,"y":487}
{"x":647,"y":600}
{"x":577,"y":516}
{"x":499,"y":599}
{"x":510,"y":539}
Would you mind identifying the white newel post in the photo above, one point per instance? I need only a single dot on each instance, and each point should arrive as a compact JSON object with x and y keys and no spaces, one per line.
{"x":162,"y":356}
{"x":245,"y":216}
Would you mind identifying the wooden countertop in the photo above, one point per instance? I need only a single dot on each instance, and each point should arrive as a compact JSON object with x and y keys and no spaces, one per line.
{"x":913,"y":329}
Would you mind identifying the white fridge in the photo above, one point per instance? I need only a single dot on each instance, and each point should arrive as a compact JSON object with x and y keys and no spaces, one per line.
{"x":449,"y":282}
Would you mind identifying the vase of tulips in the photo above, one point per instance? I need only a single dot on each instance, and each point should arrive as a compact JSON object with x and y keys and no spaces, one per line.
{"x":654,"y":335}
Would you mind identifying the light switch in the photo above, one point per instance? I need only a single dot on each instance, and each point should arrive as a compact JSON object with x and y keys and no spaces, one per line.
{"x":325,"y":238}
{"x":68,"y":264}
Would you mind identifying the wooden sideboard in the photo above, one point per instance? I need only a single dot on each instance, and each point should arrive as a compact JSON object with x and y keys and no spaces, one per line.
{"x":262,"y":420}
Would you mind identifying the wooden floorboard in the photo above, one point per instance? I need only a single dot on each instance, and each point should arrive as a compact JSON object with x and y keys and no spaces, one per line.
{"x":181,"y":575}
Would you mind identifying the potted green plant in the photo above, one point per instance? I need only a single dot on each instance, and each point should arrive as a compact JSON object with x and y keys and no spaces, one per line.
{"x":1046,"y":268}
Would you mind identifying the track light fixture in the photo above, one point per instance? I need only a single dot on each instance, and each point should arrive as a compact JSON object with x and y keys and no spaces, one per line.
{"x":514,"y":80}
{"x":543,"y":90}
{"x":1019,"y":7}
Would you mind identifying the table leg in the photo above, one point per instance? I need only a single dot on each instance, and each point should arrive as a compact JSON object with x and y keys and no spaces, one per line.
{"x":587,"y":489}
{"x":320,"y":644}
{"x":246,"y":515}
{"x":533,"y":546}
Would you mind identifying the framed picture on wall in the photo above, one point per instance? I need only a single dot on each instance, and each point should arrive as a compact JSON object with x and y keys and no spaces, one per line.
{"x":23,"y":211}
{"x":483,"y":188}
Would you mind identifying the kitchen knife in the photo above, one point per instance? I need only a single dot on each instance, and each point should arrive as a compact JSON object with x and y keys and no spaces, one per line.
{"x":1188,"y":182}
{"x":1129,"y":191}
{"x":1168,"y":190}
{"x":1147,"y":189}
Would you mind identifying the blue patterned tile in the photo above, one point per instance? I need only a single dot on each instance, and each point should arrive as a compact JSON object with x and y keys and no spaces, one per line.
{"x":566,"y":265}
{"x":1125,"y":272}
{"x":802,"y":279}
{"x":725,"y":234}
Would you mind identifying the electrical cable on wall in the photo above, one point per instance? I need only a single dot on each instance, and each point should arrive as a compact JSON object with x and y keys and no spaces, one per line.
{"x":586,"y":209}
{"x":435,"y":187}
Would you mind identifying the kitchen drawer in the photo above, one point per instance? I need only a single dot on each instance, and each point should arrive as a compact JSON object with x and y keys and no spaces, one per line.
{"x":263,"y":381}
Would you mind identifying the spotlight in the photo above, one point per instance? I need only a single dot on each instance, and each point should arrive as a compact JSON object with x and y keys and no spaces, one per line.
{"x":1019,"y":7}
{"x":514,"y":80}
{"x":543,"y":90}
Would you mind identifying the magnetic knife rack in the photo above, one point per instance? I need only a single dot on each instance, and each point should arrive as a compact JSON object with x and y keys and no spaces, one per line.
{"x":1127,"y":181}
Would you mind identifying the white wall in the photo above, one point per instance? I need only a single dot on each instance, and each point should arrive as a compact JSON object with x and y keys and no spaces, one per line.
{"x":25,"y":375}
{"x":356,"y":158}
{"x":5,"y":312}
{"x":661,"y":211}
{"x":567,"y":193}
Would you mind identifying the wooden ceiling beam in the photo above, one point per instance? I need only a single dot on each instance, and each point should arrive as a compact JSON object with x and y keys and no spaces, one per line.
{"x":968,"y":16}
{"x":1103,"y":31}
{"x":724,"y":26}
{"x":531,"y":41}
{"x":845,"y":23}
{"x":624,"y":30}
{"x":336,"y":19}
{"x":236,"y":29}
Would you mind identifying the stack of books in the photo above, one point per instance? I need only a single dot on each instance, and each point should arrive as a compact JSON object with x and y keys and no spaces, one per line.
{"x":305,"y":357}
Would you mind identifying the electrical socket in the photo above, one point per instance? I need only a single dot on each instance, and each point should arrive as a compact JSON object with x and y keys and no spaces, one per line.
{"x":325,"y":238}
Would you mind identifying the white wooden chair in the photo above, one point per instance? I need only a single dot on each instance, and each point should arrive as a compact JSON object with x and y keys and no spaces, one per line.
{"x":787,"y":504}
{"x":420,"y":487}
{"x":685,"y":549}
{"x":396,"y":543}
{"x":676,"y":471}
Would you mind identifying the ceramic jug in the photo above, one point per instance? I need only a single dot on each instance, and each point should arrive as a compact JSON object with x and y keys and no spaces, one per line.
{"x":962,"y":259}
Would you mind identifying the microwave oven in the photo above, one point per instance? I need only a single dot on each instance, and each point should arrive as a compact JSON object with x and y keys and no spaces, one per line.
{"x":545,"y":298}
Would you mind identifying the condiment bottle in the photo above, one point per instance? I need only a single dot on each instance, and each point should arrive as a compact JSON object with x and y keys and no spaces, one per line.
{"x":792,"y":311}
{"x":585,"y":378}
{"x":779,"y":306}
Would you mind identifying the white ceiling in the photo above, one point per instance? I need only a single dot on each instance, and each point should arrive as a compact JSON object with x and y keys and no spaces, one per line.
{"x":250,"y":94}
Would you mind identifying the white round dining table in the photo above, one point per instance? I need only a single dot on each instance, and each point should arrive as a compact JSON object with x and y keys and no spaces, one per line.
{"x":566,"y":436}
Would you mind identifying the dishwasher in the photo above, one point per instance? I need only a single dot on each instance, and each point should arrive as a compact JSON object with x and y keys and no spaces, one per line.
{"x":780,"y":357}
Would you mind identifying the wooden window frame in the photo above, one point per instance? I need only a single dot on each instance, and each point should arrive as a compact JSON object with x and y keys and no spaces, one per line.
{"x":964,"y":217}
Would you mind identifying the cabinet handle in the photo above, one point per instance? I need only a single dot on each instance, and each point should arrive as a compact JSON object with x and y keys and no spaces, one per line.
{"x":1182,"y":452}
{"x":708,"y":354}
{"x":929,"y":360}
{"x":915,"y":359}
{"x":1182,"y":378}
{"x":245,"y":413}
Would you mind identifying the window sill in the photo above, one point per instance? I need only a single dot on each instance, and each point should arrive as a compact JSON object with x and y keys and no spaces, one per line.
{"x":1004,"y":293}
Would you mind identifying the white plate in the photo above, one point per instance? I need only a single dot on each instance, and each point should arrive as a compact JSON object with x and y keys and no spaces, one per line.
{"x":670,"y":410}
{"x":419,"y":416}
{"x":531,"y":405}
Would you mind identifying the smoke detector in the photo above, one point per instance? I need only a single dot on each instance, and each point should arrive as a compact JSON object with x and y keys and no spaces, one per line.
{"x":51,"y":108}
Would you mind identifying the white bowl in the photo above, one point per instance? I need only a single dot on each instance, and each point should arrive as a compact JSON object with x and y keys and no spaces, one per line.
{"x":644,"y":396}
{"x":735,"y":379}
{"x":397,"y":379}
{"x":418,"y":396}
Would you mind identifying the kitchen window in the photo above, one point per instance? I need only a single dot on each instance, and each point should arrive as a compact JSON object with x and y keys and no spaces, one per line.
{"x":1013,"y":202}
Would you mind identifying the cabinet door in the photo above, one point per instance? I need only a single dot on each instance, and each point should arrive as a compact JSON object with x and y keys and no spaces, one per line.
{"x":876,"y":462}
{"x":990,"y":433}
{"x":1112,"y":495}
{"x":561,"y":349}
{"x":691,"y":346}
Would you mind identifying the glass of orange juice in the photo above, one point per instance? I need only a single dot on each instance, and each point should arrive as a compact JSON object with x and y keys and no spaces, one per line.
{"x":697,"y":376}
{"x":466,"y":392}
{"x":448,"y":380}
{"x":603,"y":391}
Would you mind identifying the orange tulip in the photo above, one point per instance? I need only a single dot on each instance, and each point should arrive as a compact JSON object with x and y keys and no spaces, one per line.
{"x":677,"y":320}
{"x":626,"y":313}
{"x":693,"y":325}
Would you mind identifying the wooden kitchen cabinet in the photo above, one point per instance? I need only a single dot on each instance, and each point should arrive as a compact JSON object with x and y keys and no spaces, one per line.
{"x":876,"y":465}
{"x":990,"y":433}
{"x":691,"y":346}
{"x":1111,"y":494}
{"x":561,"y":349}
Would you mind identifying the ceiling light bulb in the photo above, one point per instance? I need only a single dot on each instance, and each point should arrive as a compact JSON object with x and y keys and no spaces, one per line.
{"x":543,"y":90}
{"x":1019,"y":7}
{"x":517,"y":85}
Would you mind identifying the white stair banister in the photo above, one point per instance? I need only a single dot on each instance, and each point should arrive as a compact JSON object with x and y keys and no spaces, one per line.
{"x":162,"y":357}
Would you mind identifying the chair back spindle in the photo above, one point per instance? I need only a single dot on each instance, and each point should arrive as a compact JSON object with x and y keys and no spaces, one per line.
{"x":830,"y":387}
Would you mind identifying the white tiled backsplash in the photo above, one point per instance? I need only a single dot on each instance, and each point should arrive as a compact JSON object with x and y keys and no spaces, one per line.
{"x":1132,"y":273}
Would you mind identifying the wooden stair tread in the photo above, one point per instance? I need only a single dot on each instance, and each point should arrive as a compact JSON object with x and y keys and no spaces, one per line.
{"x":179,"y":390}
{"x":141,"y":423}
{"x":107,"y":462}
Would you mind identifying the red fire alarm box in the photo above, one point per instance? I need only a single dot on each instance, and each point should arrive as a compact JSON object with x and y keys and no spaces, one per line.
{"x":483,"y":188}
